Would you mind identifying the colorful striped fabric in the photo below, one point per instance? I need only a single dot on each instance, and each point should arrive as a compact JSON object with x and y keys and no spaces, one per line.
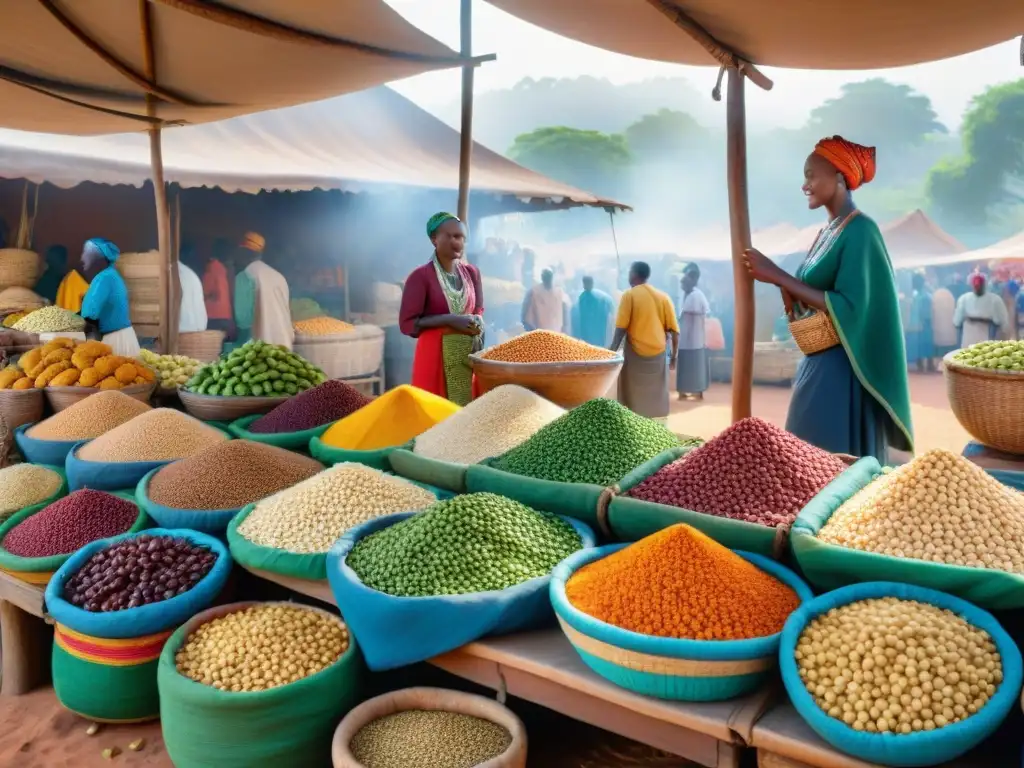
{"x":109,"y":652}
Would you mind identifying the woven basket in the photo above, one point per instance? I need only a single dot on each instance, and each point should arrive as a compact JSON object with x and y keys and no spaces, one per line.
{"x":18,"y":299}
{"x":988,"y":404}
{"x":431,"y":699}
{"x":21,"y":406}
{"x":814,"y":333}
{"x":64,"y":397}
{"x":344,"y":355}
{"x":222,"y":408}
{"x":204,"y":346}
{"x":564,"y":384}
{"x":19,"y":268}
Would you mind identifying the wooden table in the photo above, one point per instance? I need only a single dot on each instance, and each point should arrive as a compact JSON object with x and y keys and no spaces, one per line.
{"x":784,"y":740}
{"x":23,"y":636}
{"x":542,"y":667}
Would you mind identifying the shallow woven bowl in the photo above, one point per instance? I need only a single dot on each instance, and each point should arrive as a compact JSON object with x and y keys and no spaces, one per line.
{"x":21,"y":406}
{"x":988,"y":404}
{"x":664,"y":667}
{"x":565,"y":384}
{"x":64,"y":397}
{"x":226,"y":408}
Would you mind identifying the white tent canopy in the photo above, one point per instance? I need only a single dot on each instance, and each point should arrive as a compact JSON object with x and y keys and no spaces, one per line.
{"x":1010,"y":248}
{"x":374,"y":140}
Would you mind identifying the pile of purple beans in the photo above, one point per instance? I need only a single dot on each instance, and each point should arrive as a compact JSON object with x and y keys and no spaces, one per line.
{"x":138,"y":571}
{"x":315,"y":407}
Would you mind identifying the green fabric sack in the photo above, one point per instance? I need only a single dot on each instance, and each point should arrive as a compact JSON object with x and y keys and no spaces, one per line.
{"x":632,"y":519}
{"x":827,"y":566}
{"x":10,"y":562}
{"x":292,"y":441}
{"x":292,"y":725}
{"x":60,"y":493}
{"x":440,"y":474}
{"x":330,"y":455}
{"x":576,"y":500}
{"x":108,"y":694}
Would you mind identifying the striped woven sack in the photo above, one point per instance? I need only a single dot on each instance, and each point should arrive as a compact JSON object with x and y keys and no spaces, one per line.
{"x":107,"y":680}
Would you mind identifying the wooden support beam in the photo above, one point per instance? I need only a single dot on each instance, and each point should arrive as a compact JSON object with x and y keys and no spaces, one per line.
{"x":466,"y":128}
{"x":739,"y":226}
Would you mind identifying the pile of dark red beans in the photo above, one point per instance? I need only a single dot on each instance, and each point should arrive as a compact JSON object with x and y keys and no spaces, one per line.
{"x":138,"y":571}
{"x":753,"y":471}
{"x":68,"y":524}
{"x":315,"y":407}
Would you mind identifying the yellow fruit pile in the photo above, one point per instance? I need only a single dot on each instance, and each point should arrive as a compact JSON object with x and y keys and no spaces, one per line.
{"x":63,"y":363}
{"x":322,"y":326}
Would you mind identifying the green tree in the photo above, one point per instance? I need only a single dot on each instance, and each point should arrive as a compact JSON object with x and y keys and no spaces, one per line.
{"x":666,"y":133}
{"x":878,"y":113}
{"x":968,"y":187}
{"x":595,"y":161}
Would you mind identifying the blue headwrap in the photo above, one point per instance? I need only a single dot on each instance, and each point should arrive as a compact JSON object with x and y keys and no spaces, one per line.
{"x":109,"y":251}
{"x":434,"y":222}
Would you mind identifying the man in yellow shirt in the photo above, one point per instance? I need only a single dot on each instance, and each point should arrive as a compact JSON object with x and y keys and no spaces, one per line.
{"x":646,"y":319}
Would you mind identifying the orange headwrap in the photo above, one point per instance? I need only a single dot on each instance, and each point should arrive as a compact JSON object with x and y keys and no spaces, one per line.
{"x":855,"y":161}
{"x":253,"y":242}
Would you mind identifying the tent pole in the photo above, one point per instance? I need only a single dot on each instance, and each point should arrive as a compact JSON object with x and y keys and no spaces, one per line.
{"x":168,"y":338}
{"x":739,"y":225}
{"x":466,"y":129}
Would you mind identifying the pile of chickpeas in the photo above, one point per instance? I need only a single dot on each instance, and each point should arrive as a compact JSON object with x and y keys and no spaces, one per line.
{"x":889,"y":665}
{"x":262,"y":646}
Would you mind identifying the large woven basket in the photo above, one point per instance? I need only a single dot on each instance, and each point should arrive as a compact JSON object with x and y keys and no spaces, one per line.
{"x":989,"y":404}
{"x":225,"y":408}
{"x":19,"y":267}
{"x":21,"y":406}
{"x":64,"y":397}
{"x":431,"y":699}
{"x":565,"y":384}
{"x":204,"y":346}
{"x":344,"y":355}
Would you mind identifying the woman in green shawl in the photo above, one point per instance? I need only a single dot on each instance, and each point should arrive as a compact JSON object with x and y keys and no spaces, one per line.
{"x":853,"y":397}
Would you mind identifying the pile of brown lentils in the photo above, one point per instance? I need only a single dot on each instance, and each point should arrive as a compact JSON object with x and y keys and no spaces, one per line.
{"x":428,"y":739}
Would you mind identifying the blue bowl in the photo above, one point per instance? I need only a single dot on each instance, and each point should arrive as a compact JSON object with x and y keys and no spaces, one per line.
{"x":899,"y":750}
{"x":665,"y":667}
{"x":36,"y":451}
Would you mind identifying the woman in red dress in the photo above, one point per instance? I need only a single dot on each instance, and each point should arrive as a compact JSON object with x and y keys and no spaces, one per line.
{"x":442,"y":308}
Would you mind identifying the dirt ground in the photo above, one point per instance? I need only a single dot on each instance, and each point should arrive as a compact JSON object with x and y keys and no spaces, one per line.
{"x":934,"y":424}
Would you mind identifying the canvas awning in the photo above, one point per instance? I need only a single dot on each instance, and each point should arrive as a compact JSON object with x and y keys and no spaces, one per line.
{"x":872,"y":34}
{"x":372,"y":141}
{"x":79,"y":66}
{"x":1010,"y":249}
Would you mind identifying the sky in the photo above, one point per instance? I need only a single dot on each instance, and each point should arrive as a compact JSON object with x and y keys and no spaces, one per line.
{"x":527,"y":51}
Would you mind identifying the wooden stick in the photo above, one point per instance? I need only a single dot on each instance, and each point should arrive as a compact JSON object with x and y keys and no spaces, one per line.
{"x":724,"y":56}
{"x":466,"y":128}
{"x":168,"y":268}
{"x":122,"y":67}
{"x":258,"y":25}
{"x":739,"y":224}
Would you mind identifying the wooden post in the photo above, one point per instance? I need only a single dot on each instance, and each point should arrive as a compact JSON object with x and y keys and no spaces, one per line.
{"x":739,"y":225}
{"x":466,"y":130}
{"x":169,"y":280}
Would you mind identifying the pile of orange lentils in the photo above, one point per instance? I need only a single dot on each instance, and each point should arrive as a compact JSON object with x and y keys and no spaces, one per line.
{"x":546,"y":347}
{"x":681,"y":584}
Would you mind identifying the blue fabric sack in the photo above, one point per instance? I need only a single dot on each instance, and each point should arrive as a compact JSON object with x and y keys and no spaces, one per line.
{"x":914,"y":749}
{"x":395,"y":631}
{"x":35,"y":451}
{"x":106,"y":475}
{"x":212,"y":521}
{"x":146,"y":619}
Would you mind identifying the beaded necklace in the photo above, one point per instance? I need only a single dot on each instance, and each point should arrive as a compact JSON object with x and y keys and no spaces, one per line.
{"x":825,"y":240}
{"x":453,"y":294}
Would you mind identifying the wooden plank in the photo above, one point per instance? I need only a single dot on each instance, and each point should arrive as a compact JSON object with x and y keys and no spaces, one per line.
{"x":24,"y":639}
{"x":27,"y":597}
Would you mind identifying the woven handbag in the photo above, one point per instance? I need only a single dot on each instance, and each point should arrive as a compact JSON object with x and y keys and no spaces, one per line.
{"x":814,"y":333}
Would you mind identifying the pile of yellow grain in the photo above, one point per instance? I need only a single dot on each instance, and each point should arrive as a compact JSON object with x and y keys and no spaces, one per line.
{"x":322,"y":326}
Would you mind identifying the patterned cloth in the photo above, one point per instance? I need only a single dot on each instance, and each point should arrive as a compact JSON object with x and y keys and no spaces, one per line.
{"x":855,"y":161}
{"x":458,"y":374}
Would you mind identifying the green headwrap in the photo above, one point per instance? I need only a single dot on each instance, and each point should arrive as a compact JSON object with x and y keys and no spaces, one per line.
{"x":434,"y":222}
